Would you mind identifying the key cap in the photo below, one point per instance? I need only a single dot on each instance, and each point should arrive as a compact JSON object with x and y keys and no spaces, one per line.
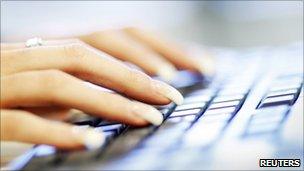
{"x":232,"y":91}
{"x":227,"y":110}
{"x":228,"y":98}
{"x":188,"y":118}
{"x":167,"y":134}
{"x":266,"y":119}
{"x":288,"y":80}
{"x":282,"y":92}
{"x":262,"y":128}
{"x":224,"y":104}
{"x":44,"y":150}
{"x":209,"y":92}
{"x":190,"y":106}
{"x":214,"y":118}
{"x":270,"y":112}
{"x":199,"y":98}
{"x":285,"y":87}
{"x":185,"y":112}
{"x":279,"y":100}
{"x":203,"y":134}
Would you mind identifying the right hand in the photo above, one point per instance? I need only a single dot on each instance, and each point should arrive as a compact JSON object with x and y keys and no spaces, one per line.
{"x":51,"y":77}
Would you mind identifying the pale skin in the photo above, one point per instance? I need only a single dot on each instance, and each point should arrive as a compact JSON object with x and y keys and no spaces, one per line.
{"x":39,"y":85}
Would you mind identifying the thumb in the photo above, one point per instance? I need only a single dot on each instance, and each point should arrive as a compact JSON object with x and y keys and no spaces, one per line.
{"x":17,"y":125}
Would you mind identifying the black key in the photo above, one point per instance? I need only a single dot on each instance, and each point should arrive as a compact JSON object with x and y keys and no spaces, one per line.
{"x":279,"y":100}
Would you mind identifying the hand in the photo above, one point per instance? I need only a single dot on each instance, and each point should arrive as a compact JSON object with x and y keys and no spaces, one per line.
{"x":51,"y":78}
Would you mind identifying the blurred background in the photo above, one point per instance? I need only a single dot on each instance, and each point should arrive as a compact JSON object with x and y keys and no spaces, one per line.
{"x":214,"y":23}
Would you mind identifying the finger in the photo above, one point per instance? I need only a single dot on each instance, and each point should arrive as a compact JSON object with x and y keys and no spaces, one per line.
{"x":169,"y":50}
{"x":89,"y":64}
{"x":50,"y":112}
{"x":56,"y":88}
{"x":21,"y":45}
{"x":33,"y":129}
{"x":120,"y":45}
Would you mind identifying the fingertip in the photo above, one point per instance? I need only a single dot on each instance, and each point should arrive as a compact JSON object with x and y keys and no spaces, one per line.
{"x":206,"y":66}
{"x":147,"y":112}
{"x":168,"y":91}
{"x":166,"y":72}
{"x":88,"y":137}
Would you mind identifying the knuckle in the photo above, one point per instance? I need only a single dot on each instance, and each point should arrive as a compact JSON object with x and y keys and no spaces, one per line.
{"x":75,"y":53}
{"x":74,"y":49}
{"x":52,"y":81}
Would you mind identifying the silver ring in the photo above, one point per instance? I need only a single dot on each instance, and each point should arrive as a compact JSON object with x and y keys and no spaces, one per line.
{"x":33,"y":42}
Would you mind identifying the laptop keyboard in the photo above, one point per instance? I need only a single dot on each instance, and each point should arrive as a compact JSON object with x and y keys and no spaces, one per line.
{"x":205,"y":113}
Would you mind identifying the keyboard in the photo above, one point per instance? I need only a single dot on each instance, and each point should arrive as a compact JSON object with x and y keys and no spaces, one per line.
{"x":201,"y":121}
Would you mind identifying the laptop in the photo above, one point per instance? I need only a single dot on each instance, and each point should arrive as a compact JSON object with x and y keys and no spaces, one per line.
{"x":249,"y":115}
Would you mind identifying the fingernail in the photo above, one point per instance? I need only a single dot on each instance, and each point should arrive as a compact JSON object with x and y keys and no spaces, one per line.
{"x":167,"y":72}
{"x":148,"y":113}
{"x":168,"y":91}
{"x":90,"y":138}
